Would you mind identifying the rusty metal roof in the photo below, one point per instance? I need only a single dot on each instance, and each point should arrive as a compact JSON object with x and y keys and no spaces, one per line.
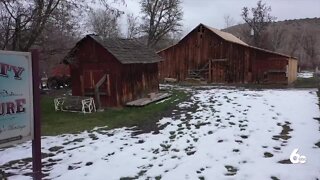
{"x":128,"y":51}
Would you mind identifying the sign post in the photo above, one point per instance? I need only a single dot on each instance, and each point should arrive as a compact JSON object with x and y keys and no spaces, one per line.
{"x":19,"y":102}
{"x":36,"y":142}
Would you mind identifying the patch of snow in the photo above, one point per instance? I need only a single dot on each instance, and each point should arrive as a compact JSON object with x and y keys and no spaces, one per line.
{"x":217,"y":134}
{"x":305,"y":74}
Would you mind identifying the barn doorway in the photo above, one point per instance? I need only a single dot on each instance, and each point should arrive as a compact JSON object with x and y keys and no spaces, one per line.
{"x":217,"y":70}
{"x":96,"y":83}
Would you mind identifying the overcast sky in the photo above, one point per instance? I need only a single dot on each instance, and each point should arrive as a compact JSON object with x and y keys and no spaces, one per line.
{"x":212,"y":12}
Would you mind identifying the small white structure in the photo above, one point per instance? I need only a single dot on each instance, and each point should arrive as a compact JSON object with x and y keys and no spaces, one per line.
{"x":75,"y":104}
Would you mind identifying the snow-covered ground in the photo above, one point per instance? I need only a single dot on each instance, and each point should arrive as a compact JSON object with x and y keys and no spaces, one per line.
{"x":217,"y":134}
{"x":305,"y":74}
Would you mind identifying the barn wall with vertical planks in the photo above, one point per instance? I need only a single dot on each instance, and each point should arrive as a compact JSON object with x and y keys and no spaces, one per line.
{"x":124,"y":82}
{"x":230,"y":62}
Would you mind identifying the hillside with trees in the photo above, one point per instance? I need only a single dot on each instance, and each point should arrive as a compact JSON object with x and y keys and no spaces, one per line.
{"x":299,"y":38}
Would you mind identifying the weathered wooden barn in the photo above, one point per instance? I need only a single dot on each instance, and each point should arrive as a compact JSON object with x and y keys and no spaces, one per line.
{"x":120,"y":70}
{"x":220,"y":57}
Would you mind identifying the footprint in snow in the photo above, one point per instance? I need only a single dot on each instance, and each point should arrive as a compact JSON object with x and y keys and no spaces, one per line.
{"x":75,"y":141}
{"x":236,"y":150}
{"x":274,"y":178}
{"x":284,"y":134}
{"x":55,"y":148}
{"x":93,"y":137}
{"x":200,"y":170}
{"x":244,"y":136}
{"x":231,"y":170}
{"x":140,"y":141}
{"x":232,"y":123}
{"x":268,"y":155}
{"x":285,"y":161}
{"x":89,"y":163}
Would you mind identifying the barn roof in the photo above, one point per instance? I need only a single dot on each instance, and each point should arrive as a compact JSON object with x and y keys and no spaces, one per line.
{"x":126,"y":51}
{"x":226,"y":36}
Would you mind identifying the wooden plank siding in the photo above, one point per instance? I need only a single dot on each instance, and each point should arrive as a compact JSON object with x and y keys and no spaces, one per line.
{"x":138,"y":80}
{"x":292,"y":70}
{"x":93,"y":58}
{"x":192,"y":52}
{"x":244,"y":64}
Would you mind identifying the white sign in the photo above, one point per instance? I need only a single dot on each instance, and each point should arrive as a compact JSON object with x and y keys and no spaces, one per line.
{"x":16,"y":98}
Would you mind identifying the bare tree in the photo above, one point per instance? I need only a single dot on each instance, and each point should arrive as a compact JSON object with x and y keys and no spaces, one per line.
{"x":168,"y":40}
{"x":22,"y":22}
{"x":109,"y":5}
{"x":276,"y":36}
{"x":309,"y":45}
{"x":228,"y":21}
{"x":5,"y":27}
{"x":133,"y":29}
{"x":105,"y":23}
{"x":259,"y":21}
{"x":58,"y":37}
{"x":160,"y":18}
{"x":294,"y":42}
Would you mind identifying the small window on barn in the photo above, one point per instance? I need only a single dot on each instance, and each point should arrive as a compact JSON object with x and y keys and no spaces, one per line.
{"x":199,"y":28}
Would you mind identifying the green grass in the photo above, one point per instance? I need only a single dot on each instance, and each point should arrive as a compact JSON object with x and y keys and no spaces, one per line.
{"x":54,"y":123}
{"x":307,"y":82}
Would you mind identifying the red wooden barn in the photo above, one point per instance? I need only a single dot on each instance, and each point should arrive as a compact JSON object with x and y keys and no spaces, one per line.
{"x":220,"y":57}
{"x":119,"y":70}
